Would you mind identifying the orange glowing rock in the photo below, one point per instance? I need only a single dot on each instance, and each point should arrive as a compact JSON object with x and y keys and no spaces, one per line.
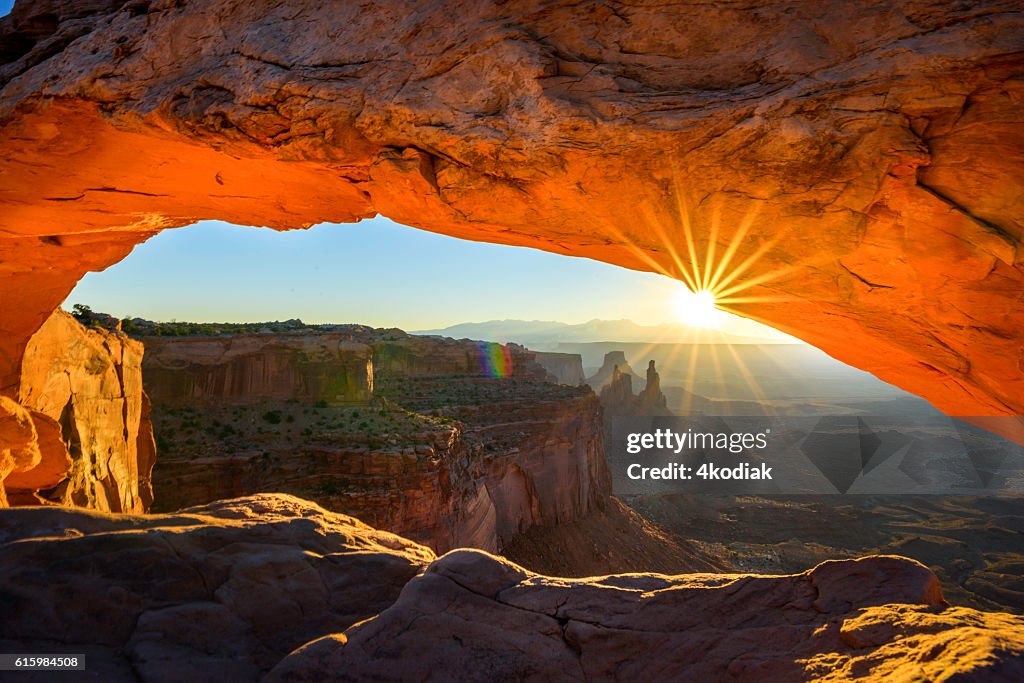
{"x":863,"y":167}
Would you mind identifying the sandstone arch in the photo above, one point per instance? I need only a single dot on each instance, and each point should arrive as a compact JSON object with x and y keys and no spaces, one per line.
{"x":878,"y":149}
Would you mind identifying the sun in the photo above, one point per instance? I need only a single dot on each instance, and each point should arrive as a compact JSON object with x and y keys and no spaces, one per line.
{"x":697,"y":309}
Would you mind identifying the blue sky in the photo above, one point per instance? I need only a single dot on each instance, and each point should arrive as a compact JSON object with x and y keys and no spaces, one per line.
{"x":375,"y":272}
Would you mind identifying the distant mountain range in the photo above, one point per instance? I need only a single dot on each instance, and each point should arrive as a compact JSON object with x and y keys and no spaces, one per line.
{"x":537,"y":333}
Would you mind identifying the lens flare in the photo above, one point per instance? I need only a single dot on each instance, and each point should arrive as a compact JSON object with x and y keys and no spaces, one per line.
{"x":495,"y":359}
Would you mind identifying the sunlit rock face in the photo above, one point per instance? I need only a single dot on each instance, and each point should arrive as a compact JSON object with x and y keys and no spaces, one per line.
{"x":81,"y":389}
{"x":873,"y":618}
{"x":858,"y":169}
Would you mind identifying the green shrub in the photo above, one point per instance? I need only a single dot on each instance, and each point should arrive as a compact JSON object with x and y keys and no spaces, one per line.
{"x":272,"y":416}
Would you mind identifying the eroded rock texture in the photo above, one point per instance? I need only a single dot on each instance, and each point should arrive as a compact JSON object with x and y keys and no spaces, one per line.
{"x":214,"y":593}
{"x":475,"y":617}
{"x":207,"y":371}
{"x":865,"y":160}
{"x":465,"y":443}
{"x":84,"y":410}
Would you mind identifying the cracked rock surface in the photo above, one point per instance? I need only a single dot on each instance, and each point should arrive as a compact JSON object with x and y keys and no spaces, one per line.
{"x":865,"y":161}
{"x":219,"y":592}
{"x":476,"y":617}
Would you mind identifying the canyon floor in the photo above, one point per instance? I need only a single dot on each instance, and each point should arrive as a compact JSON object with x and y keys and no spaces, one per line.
{"x":975,"y":545}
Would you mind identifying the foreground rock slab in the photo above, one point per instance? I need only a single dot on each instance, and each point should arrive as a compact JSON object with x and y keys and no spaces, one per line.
{"x":476,"y":617}
{"x":219,"y":592}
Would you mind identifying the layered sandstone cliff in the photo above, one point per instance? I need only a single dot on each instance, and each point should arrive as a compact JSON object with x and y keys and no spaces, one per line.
{"x":851,"y":174}
{"x":204,"y":371}
{"x":465,"y":444}
{"x":87,"y":416}
{"x":541,"y":450}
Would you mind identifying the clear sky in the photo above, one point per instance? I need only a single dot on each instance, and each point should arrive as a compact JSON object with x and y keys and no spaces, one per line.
{"x":375,"y":272}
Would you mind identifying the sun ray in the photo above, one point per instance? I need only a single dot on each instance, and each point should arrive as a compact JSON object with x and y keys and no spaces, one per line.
{"x":647,"y":349}
{"x":638,"y":252}
{"x":751,"y":381}
{"x":663,"y":237}
{"x":765,"y":278}
{"x":720,"y":302}
{"x":690,"y":385}
{"x":719,"y":375}
{"x":734,"y":244}
{"x":684,"y":218}
{"x":709,"y":261}
{"x":745,"y":265}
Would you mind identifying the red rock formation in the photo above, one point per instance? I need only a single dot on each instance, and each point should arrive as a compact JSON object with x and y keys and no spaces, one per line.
{"x":501,"y":451}
{"x":214,"y":593}
{"x":475,"y":617}
{"x":614,"y":361}
{"x":82,"y":390}
{"x":425,"y":485}
{"x":541,"y":449}
{"x":865,"y":159}
{"x":651,"y":401}
{"x":617,"y":396}
{"x":543,"y":460}
{"x":203,"y":371}
{"x":19,"y":443}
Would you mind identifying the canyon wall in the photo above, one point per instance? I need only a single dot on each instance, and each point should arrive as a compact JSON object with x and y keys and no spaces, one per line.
{"x":541,"y":447}
{"x":88,"y":416}
{"x":850,"y":174}
{"x":463,"y":444}
{"x":203,"y":371}
{"x":566,"y":368}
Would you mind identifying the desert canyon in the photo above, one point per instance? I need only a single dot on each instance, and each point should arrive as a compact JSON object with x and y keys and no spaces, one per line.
{"x":288,"y":505}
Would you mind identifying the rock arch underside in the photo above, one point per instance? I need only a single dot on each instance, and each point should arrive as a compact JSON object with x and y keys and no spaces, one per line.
{"x":865,"y":161}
